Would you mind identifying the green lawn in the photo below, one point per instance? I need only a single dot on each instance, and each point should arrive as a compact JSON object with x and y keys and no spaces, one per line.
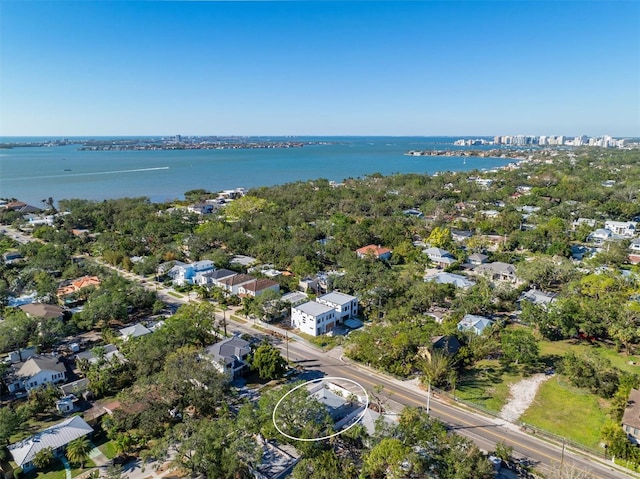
{"x":56,"y":471}
{"x":238,"y":319}
{"x":109,"y":450}
{"x":324,"y":342}
{"x":487,"y":385}
{"x":619,"y":360}
{"x":567,"y":411}
{"x":175,"y":295}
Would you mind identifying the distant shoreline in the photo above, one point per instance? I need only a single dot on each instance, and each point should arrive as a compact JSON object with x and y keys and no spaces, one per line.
{"x":495,"y":153}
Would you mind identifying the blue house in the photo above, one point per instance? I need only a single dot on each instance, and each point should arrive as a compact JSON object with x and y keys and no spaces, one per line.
{"x":475,"y":324}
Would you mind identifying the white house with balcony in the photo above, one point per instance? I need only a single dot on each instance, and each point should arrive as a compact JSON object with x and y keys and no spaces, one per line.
{"x":313,"y":318}
{"x":38,"y":371}
{"x":345,"y":305}
{"x":186,"y":273}
{"x":626,"y":229}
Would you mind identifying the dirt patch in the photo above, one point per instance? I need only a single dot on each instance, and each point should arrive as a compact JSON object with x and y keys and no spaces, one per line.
{"x":522,"y":395}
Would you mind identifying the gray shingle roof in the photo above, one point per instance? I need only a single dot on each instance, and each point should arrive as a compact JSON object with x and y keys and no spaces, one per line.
{"x":36,"y":364}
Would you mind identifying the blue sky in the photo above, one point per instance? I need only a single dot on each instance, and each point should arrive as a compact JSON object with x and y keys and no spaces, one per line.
{"x":319,"y":68}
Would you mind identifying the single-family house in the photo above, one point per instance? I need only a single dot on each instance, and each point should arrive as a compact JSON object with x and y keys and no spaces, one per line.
{"x":474,"y":324}
{"x":600,"y":235}
{"x":447,"y":345}
{"x":134,"y":331}
{"x":461,"y":235}
{"x":21,"y":355}
{"x":498,"y":271}
{"x":313,"y":318}
{"x":185,"y":273}
{"x":635,"y":245}
{"x":631,"y":417}
{"x":39,"y":220}
{"x":626,"y":229}
{"x":43,"y":311}
{"x":477,"y":258}
{"x":22,"y":207}
{"x":277,"y":461}
{"x":308,"y":284}
{"x":490,"y":213}
{"x":342,"y":404}
{"x":231,"y":284}
{"x":345,"y":305}
{"x":584,"y":221}
{"x":201,"y":208}
{"x":75,"y":286}
{"x":437,"y":313}
{"x":214,"y":277}
{"x":11,"y":257}
{"x":457,"y":280}
{"x":257,"y":287}
{"x":377,"y":251}
{"x":295,"y":298}
{"x":108,"y":353}
{"x":578,"y":252}
{"x":76,"y":388}
{"x":37,"y":371}
{"x":243,"y":260}
{"x":441,"y":257}
{"x":230,"y":355}
{"x":537,"y":297}
{"x":55,"y":437}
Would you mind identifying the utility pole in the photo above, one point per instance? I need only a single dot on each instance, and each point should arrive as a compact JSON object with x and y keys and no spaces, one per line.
{"x":429,"y":397}
{"x":562,"y":456}
{"x":286,"y":334}
{"x":224,"y":318}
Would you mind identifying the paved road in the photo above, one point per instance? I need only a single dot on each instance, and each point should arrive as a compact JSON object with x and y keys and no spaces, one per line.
{"x":485,"y":431}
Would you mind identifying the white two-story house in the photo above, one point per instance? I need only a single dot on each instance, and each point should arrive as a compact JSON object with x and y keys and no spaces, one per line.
{"x":313,"y":318}
{"x":38,"y":371}
{"x":626,"y":229}
{"x":345,"y":305}
{"x":182,"y":274}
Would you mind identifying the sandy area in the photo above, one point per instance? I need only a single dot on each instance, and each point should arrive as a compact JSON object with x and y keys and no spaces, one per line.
{"x":522,"y":395}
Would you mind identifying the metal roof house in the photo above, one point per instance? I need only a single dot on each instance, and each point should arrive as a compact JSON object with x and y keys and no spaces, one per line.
{"x":56,"y":437}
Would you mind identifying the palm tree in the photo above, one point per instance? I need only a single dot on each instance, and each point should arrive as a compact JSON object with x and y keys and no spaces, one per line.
{"x":78,"y":450}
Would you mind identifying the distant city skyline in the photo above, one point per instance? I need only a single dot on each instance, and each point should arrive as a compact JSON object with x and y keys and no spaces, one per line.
{"x":320,"y":68}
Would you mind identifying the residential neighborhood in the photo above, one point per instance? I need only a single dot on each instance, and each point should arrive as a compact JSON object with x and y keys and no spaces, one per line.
{"x":136,"y":337}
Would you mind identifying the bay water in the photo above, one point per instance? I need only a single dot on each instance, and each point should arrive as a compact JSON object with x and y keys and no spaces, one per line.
{"x":32,"y":174}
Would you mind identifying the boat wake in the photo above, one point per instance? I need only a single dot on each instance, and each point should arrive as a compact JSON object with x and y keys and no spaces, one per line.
{"x":114,"y":172}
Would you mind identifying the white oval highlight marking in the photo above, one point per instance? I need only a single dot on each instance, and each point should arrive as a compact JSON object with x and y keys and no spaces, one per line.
{"x":313,"y":381}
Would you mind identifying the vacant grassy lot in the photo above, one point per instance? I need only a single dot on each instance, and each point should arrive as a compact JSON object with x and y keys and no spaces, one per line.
{"x":487,"y":385}
{"x":619,"y":360}
{"x":324,"y":342}
{"x":567,"y":411}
